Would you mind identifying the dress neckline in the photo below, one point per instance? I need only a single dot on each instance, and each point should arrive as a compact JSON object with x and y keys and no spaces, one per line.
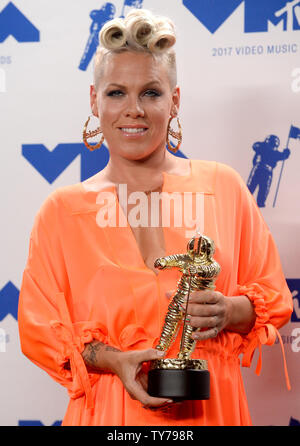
{"x":168,"y":180}
{"x":170,"y":183}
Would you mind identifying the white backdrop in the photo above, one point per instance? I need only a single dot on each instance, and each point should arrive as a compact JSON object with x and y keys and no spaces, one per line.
{"x":239,"y":73}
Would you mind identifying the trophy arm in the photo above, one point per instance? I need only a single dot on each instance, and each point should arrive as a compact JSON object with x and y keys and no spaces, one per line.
{"x":179,"y":261}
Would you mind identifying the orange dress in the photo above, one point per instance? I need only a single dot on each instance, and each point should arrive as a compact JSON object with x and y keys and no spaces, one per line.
{"x":84,"y":282}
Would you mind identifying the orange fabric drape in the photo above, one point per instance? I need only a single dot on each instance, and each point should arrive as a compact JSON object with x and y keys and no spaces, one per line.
{"x":85,"y":282}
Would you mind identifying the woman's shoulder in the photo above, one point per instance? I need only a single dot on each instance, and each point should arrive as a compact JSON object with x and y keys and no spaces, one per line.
{"x":67,"y":199}
{"x":216,"y":171}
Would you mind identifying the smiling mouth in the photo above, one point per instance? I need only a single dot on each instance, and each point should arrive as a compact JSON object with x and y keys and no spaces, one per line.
{"x":133,"y":130}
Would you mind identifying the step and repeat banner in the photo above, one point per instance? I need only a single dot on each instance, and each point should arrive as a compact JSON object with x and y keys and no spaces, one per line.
{"x":239,"y":73}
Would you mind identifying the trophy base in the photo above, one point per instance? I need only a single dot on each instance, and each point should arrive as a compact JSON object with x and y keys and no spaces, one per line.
{"x":179,"y":384}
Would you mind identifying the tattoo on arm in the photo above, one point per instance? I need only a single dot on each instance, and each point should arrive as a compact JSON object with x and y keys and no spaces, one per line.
{"x":109,"y":348}
{"x":91,"y":351}
{"x":90,"y":355}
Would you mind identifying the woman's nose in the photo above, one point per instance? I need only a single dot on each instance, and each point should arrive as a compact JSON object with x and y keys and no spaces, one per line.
{"x":134,"y":108}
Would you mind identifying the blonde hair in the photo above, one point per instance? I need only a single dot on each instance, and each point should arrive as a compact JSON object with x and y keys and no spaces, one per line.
{"x":139,"y":31}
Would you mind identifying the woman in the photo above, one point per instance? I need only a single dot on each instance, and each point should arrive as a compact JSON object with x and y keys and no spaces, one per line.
{"x":92,"y":305}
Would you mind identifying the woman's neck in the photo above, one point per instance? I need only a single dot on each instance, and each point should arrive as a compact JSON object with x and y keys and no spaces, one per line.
{"x":146,"y":174}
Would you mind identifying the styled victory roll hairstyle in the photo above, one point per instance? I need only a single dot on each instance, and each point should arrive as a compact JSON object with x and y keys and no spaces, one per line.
{"x":139,"y":31}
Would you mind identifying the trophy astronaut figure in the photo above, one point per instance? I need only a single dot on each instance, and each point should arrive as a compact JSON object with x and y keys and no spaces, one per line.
{"x":182,"y":377}
{"x":199,"y":272}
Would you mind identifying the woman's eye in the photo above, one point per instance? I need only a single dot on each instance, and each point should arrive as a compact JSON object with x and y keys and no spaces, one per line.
{"x":115,"y":93}
{"x":152,"y":93}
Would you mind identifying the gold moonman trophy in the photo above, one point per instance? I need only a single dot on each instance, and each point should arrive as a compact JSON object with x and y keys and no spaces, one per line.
{"x":183,"y":378}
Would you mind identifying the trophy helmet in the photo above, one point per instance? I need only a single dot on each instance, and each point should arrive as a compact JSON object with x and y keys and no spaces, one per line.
{"x":201,"y":245}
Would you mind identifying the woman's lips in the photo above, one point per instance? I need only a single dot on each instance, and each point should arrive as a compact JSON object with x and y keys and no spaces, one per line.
{"x":133,"y":131}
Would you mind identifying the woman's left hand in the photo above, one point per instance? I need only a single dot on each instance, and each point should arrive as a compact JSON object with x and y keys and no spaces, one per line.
{"x":208,"y":311}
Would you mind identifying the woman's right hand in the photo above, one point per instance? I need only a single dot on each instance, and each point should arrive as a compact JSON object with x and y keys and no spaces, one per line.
{"x":128,"y":367}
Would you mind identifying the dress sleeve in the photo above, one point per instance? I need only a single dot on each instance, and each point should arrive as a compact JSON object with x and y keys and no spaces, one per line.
{"x":47,"y":335}
{"x":261,"y":278}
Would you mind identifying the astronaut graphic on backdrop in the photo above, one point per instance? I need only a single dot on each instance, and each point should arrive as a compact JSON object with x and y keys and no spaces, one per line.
{"x":99,"y":18}
{"x":266,"y":158}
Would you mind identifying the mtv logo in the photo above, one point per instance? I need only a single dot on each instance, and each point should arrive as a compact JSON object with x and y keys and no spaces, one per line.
{"x":297,"y":13}
{"x":51,"y":163}
{"x":294,"y":422}
{"x":294,"y":286}
{"x":9,"y":299}
{"x":14,"y":23}
{"x":212,"y":13}
{"x":37,"y":423}
{"x":258,"y":14}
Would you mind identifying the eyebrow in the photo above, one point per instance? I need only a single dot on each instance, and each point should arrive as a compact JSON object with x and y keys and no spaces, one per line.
{"x":149,"y":84}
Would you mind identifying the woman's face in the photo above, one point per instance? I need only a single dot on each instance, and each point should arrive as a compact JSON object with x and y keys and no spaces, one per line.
{"x":134,"y":101}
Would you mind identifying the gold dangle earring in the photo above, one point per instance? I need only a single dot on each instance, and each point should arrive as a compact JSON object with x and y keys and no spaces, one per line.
{"x":91,"y":134}
{"x":176,"y":135}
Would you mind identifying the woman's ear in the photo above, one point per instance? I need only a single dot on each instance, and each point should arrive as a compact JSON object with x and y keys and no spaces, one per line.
{"x":176,"y":101}
{"x":93,"y":101}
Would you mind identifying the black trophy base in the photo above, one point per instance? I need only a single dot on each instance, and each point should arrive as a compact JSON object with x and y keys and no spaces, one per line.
{"x":179,"y":385}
